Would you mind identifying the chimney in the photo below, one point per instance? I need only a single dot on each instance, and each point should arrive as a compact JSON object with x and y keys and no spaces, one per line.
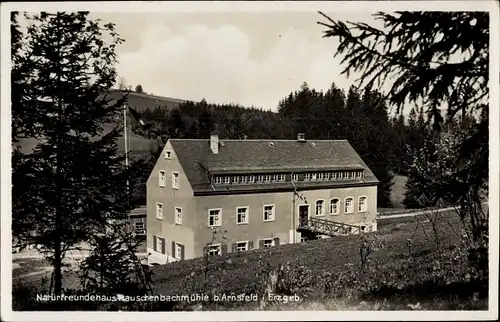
{"x":214,"y":142}
{"x":301,"y":137}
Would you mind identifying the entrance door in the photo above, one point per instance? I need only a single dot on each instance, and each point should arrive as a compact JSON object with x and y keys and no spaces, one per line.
{"x":303,"y":215}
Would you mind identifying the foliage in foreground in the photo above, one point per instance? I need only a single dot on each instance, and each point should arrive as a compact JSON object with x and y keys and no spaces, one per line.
{"x":402,"y":262}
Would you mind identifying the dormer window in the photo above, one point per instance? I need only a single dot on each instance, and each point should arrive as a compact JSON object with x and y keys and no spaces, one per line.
{"x":168,"y":154}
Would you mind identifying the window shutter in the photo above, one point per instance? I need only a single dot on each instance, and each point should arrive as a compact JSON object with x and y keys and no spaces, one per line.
{"x":173,"y":250}
{"x":276,"y":241}
{"x":223,"y":249}
{"x":234,"y":248}
{"x":250,"y":245}
{"x":182,"y":252}
{"x":261,"y":244}
{"x":163,"y":244}
{"x":154,"y":243}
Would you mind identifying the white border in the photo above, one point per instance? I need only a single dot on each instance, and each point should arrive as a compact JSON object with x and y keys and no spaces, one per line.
{"x":339,"y":206}
{"x":353,"y":206}
{"x":316,"y":208}
{"x":241,"y":241}
{"x":247,"y":215}
{"x":175,"y":216}
{"x":274,"y":6}
{"x":159,"y":178}
{"x":173,"y":180}
{"x":220,"y":217}
{"x":264,"y":213}
{"x":366,"y":204}
{"x":157,"y":210}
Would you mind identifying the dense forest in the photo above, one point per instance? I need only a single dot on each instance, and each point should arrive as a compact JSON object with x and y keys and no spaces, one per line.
{"x":384,"y":142}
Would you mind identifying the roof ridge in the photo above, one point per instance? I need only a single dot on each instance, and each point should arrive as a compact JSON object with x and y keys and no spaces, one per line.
{"x":178,"y":100}
{"x":260,"y":140}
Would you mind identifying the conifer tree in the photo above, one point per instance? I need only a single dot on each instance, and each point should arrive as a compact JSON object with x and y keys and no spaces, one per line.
{"x":72,"y":183}
{"x":430,"y":59}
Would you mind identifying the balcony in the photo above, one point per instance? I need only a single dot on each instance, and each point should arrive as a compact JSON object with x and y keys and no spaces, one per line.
{"x":330,"y":228}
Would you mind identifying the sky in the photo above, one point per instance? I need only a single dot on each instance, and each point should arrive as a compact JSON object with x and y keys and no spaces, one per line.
{"x":249,"y":58}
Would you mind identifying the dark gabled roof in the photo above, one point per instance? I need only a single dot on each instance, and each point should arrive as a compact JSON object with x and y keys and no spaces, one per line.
{"x":259,"y":156}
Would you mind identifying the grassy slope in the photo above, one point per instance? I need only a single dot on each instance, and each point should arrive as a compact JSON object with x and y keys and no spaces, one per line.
{"x":237,"y":272}
{"x":137,"y":144}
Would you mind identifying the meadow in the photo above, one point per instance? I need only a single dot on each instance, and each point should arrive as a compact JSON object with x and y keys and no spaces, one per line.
{"x":409,"y":263}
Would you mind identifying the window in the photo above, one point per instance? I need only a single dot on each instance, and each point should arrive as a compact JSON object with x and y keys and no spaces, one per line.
{"x":275,"y":177}
{"x":241,"y":246}
{"x":139,"y":228}
{"x":236,"y":179}
{"x":217,"y":180}
{"x":159,"y":210}
{"x":242,"y":215}
{"x":214,"y":250}
{"x":334,"y":206}
{"x":320,"y":209}
{"x":348,"y":207}
{"x":295,"y":177}
{"x":266,"y":243}
{"x":159,"y":244}
{"x":178,"y":215}
{"x":307,"y":176}
{"x":251,"y":179}
{"x":314,"y":176}
{"x":175,"y":180}
{"x":260,"y":178}
{"x":269,"y":213}
{"x":359,"y":174}
{"x":267,"y":178}
{"x":341,"y":175}
{"x":227,"y":179}
{"x":320,"y":176}
{"x":244,"y":179}
{"x":168,"y":154}
{"x":214,"y":217}
{"x":352,"y":174}
{"x":303,"y":239}
{"x":162,"y":177}
{"x":334,"y":175}
{"x":281,"y":177}
{"x":326,"y":176}
{"x":362,"y":204}
{"x":178,"y":251}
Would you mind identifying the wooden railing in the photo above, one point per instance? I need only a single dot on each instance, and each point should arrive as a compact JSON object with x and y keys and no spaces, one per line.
{"x":327,"y":227}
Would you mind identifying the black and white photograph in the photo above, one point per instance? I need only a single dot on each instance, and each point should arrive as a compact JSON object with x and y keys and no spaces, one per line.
{"x":249,"y":161}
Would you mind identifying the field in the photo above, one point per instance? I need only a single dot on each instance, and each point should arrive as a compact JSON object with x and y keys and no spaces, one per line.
{"x":327,"y":274}
{"x":407,"y":274}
